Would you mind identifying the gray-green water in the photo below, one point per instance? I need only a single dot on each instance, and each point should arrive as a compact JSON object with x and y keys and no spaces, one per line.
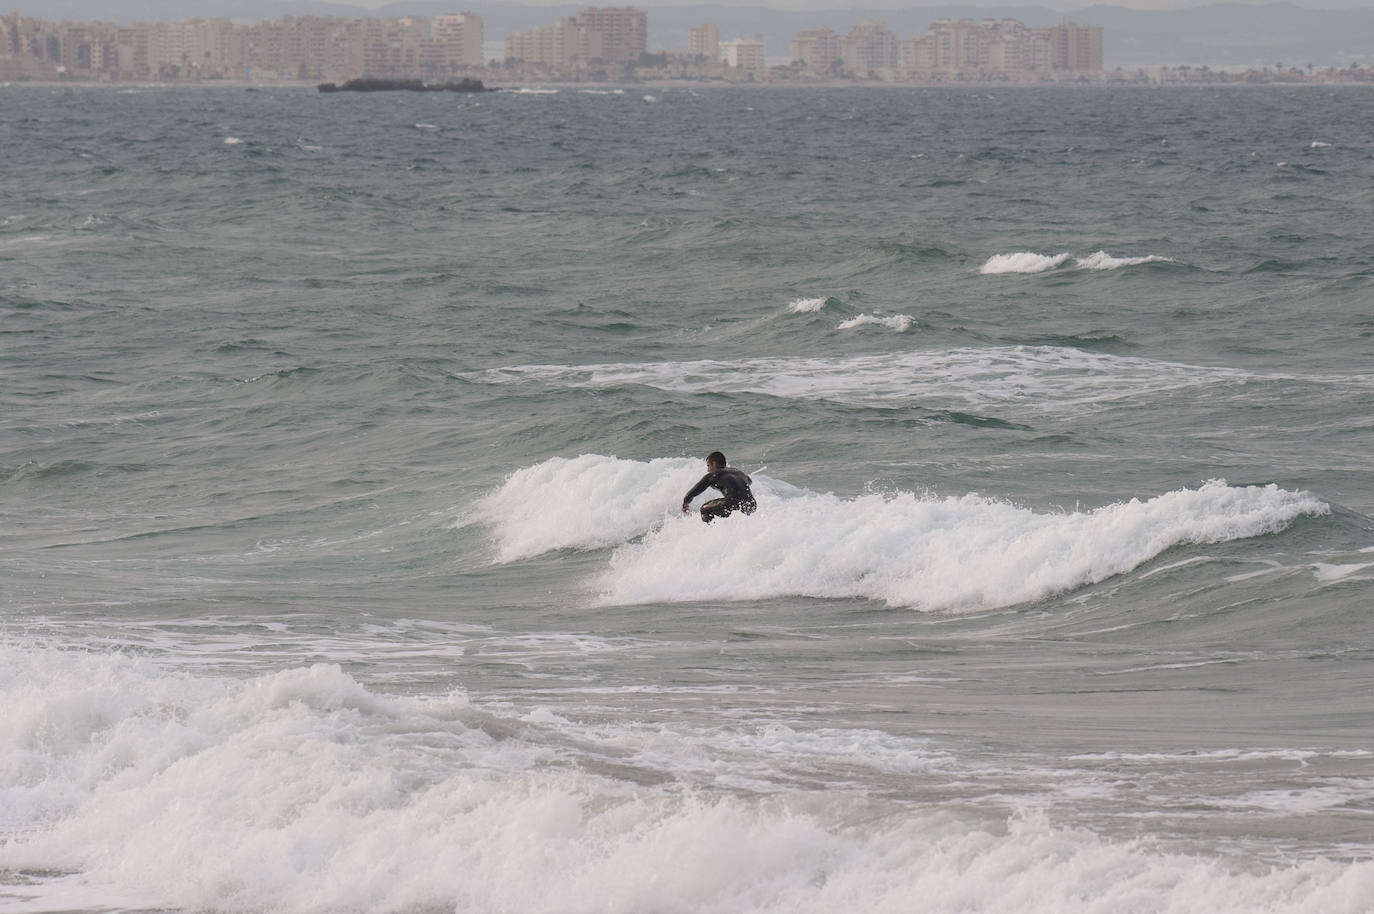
{"x":342,"y":439}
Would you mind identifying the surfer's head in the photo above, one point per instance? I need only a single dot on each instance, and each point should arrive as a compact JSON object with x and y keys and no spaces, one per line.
{"x":715,"y":460}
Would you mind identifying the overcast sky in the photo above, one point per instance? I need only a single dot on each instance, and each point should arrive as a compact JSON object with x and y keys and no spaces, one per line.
{"x":1062,"y":5}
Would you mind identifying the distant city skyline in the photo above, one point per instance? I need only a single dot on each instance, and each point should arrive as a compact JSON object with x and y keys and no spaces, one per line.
{"x":597,"y":43}
{"x":1214,"y":34}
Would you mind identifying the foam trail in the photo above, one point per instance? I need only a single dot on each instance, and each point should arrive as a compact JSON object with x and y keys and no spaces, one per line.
{"x":1022,"y":262}
{"x":1033,"y":378}
{"x":1101,"y":260}
{"x":301,"y":792}
{"x":952,"y":554}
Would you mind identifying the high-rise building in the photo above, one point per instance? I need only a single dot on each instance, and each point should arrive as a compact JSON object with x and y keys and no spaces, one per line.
{"x":1074,"y":47}
{"x":624,"y":31}
{"x":705,"y":42}
{"x":817,"y":49}
{"x":132,"y":53}
{"x":918,"y":55}
{"x":565,"y":45}
{"x":869,"y":46}
{"x":459,"y":37}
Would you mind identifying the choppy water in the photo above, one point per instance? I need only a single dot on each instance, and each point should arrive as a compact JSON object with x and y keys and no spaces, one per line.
{"x":342,"y":438}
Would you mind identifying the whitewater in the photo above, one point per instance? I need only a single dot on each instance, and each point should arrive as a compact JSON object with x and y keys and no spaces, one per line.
{"x":961,"y":554}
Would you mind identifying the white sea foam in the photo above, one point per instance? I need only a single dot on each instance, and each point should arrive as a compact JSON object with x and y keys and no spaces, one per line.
{"x":232,"y":141}
{"x":1101,"y":260}
{"x":805,"y":305}
{"x":1325,"y":572}
{"x":955,"y":553}
{"x":1031,"y":378}
{"x":125,"y":785}
{"x":583,"y":503}
{"x":1023,"y":262}
{"x":897,"y":322}
{"x":1029,"y":262}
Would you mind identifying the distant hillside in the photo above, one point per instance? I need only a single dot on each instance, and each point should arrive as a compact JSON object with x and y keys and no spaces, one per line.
{"x":1222,"y":35}
{"x":1232,"y":34}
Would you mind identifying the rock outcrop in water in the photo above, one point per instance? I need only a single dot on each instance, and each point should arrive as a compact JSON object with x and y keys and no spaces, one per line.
{"x":367,"y":84}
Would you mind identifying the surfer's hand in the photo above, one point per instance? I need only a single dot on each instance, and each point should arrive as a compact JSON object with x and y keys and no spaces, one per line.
{"x":685,"y":509}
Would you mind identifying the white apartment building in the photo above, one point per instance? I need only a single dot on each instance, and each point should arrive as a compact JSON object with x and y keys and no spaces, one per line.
{"x":1074,"y":47}
{"x":131,"y":52}
{"x":459,"y":37}
{"x":870,"y":47}
{"x":917,"y":56}
{"x":624,"y":31}
{"x":564,"y":45}
{"x":1005,"y":47}
{"x":705,"y":42}
{"x":610,"y":34}
{"x":817,"y":49}
{"x":744,"y":54}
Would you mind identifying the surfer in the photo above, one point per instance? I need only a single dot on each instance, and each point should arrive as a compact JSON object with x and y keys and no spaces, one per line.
{"x":733,"y":485}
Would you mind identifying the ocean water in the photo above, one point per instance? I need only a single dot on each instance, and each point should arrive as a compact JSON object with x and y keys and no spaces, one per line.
{"x":342,"y":440}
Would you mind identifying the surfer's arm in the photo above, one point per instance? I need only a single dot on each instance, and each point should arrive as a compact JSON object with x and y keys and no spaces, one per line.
{"x":697,"y":490}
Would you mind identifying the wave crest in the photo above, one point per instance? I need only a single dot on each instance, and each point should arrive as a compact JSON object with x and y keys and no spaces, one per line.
{"x":960,"y":553}
{"x":1030,"y":262}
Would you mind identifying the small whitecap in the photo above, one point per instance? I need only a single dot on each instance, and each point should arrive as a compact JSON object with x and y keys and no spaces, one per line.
{"x":426,"y":127}
{"x":805,"y":305}
{"x":1022,"y":262}
{"x":1318,"y":144}
{"x":897,"y":322}
{"x":650,"y":98}
{"x":232,"y":141}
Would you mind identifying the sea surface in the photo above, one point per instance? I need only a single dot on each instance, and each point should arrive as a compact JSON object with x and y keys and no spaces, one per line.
{"x":343,"y":440}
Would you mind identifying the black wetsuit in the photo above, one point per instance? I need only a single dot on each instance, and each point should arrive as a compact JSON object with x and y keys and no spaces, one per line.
{"x":734,"y":487}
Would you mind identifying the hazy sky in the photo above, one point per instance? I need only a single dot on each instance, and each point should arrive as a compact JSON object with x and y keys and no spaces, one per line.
{"x":1063,"y":5}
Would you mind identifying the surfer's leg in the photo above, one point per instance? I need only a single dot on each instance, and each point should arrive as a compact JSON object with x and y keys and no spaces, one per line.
{"x":714,"y":508}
